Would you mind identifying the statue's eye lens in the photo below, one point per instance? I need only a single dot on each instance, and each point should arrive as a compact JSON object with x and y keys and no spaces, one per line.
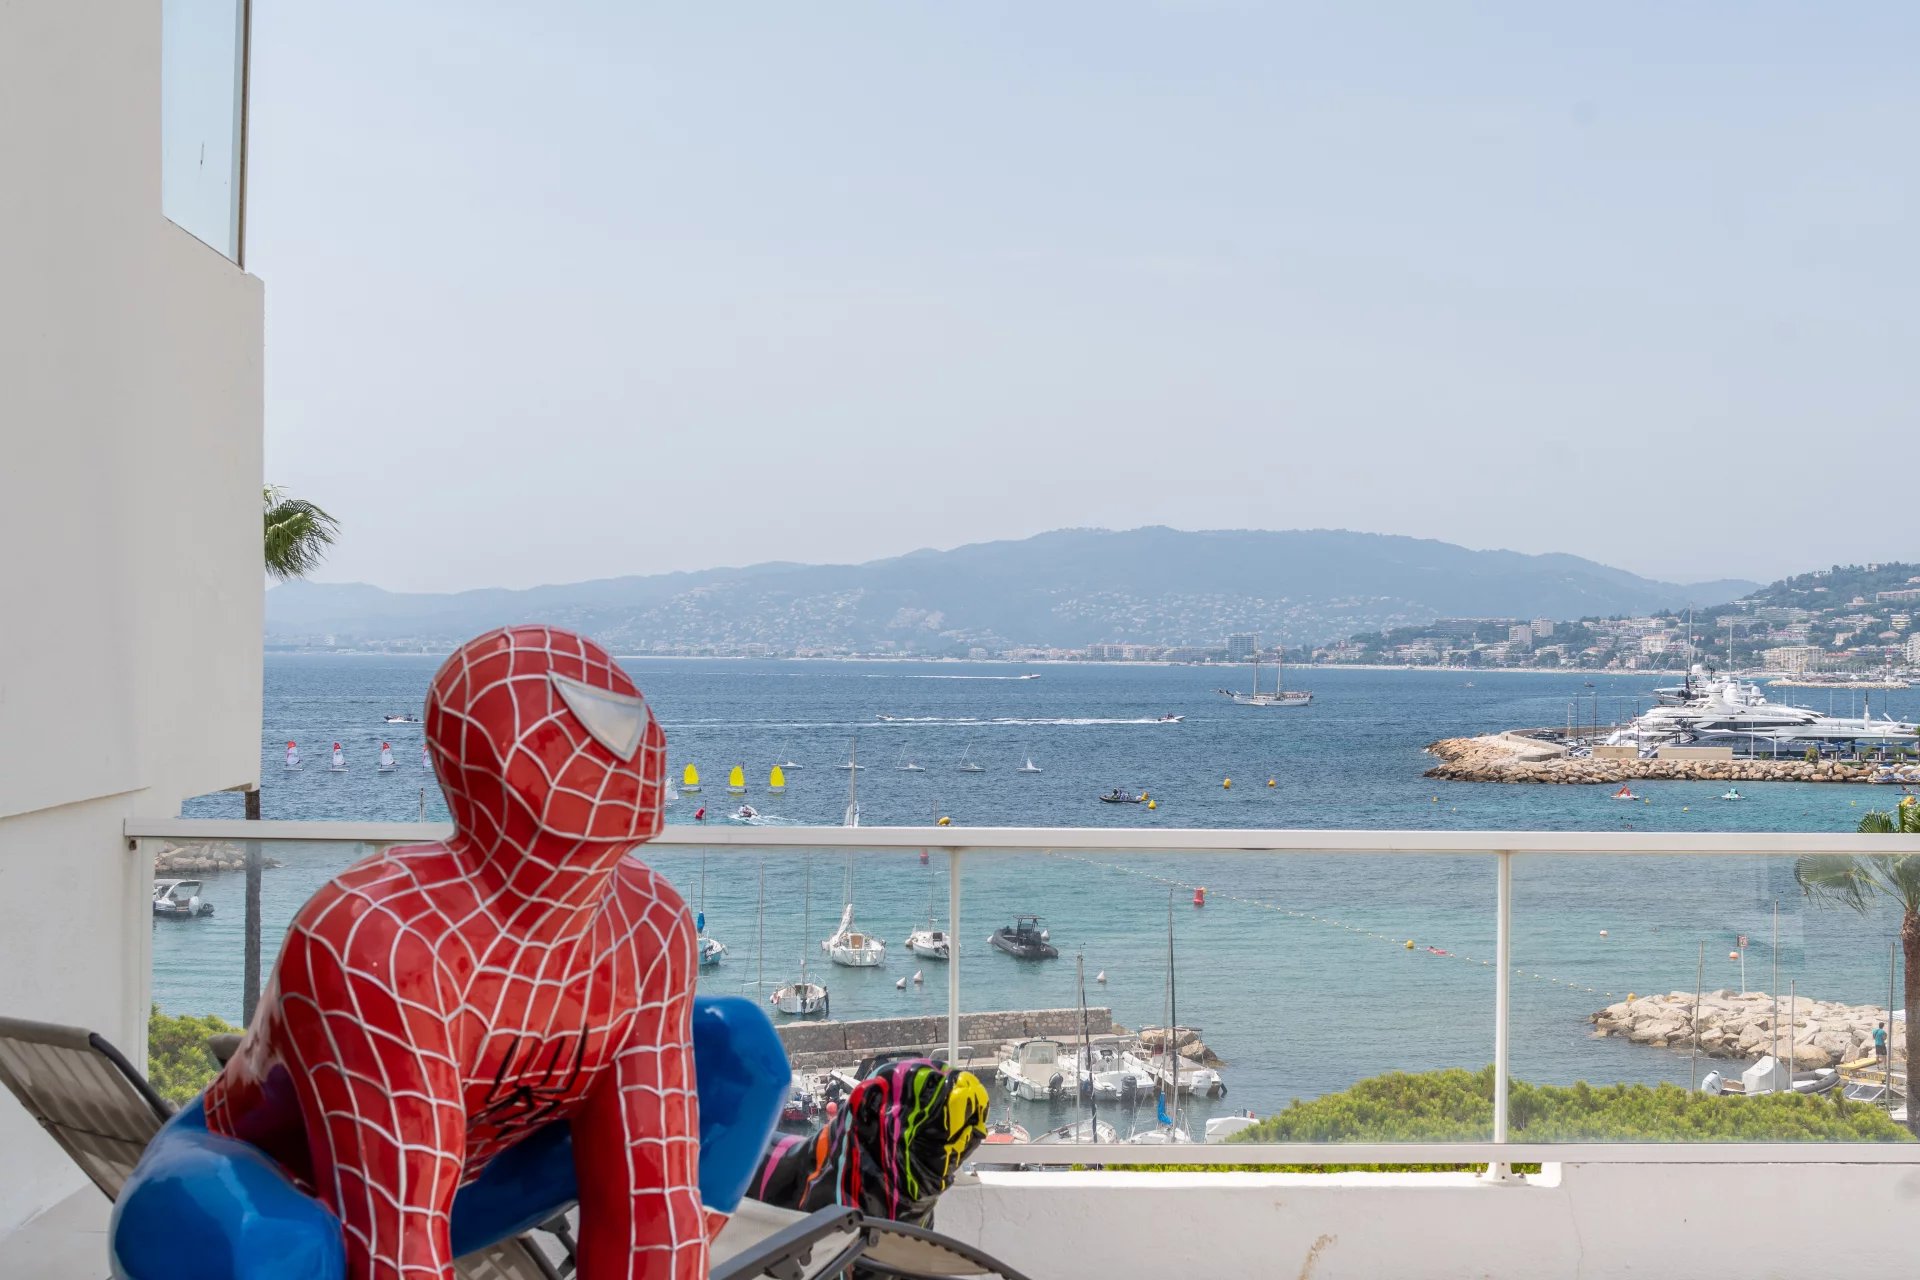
{"x":617,"y":721}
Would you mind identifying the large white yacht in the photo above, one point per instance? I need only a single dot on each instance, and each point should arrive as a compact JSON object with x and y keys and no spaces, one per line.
{"x":1728,"y":712}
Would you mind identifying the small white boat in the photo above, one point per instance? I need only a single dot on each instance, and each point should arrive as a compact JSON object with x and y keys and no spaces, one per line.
{"x":711,"y":951}
{"x":907,"y":764}
{"x":745,"y":813}
{"x":1194,"y":1078}
{"x":1161,"y":1136}
{"x":401,"y":719}
{"x":293,"y":756}
{"x":1170,"y":718}
{"x":1028,"y":767}
{"x":801,"y":999}
{"x":929,"y":942}
{"x":1080,"y":1131}
{"x":1101,"y":1070}
{"x":179,"y":900}
{"x":967,"y":764}
{"x":1220,"y":1128}
{"x":426,"y":757}
{"x":1732,"y":793}
{"x":1032,"y":1071}
{"x":386,"y":758}
{"x":853,"y":764}
{"x":339,"y":764}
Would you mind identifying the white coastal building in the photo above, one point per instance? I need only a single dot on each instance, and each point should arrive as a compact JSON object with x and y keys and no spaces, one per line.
{"x":131,"y":584}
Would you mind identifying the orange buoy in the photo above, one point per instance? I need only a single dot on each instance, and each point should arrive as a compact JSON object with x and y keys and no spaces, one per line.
{"x":1200,"y":897}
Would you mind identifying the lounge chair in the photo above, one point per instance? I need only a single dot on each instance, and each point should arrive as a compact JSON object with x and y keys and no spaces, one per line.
{"x":783,"y":1244}
{"x":103,"y":1113}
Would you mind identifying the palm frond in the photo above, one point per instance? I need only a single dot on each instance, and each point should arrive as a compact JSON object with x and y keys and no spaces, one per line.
{"x":298,"y":534}
{"x":1836,"y":878}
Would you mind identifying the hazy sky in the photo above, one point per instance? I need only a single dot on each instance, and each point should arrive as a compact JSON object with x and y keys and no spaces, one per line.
{"x":578,"y":289}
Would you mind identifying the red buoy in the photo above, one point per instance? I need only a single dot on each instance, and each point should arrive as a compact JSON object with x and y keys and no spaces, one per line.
{"x":1200,"y":897}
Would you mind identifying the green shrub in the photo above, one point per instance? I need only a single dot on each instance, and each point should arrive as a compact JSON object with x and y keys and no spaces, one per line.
{"x":178,"y":1061}
{"x":1457,"y":1106}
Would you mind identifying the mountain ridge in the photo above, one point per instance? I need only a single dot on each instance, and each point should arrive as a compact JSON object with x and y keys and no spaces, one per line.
{"x":1065,"y":587}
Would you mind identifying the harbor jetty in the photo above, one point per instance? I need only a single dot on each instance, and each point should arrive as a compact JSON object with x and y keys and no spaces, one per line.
{"x":1515,"y":757}
{"x":176,"y":860}
{"x":1811,"y":1033}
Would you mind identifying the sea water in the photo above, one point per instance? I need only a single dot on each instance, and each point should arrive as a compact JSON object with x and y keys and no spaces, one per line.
{"x":1296,"y":970}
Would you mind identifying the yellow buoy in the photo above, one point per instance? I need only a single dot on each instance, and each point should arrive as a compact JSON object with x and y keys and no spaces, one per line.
{"x":1409,"y":944}
{"x":1153,"y":804}
{"x":1436,"y":799}
{"x":1228,"y":782}
{"x":946,"y":822}
{"x":1629,"y":995}
{"x":1272,"y":783}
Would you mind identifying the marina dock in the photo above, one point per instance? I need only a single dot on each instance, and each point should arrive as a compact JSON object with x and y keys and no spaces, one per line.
{"x":839,"y":1046}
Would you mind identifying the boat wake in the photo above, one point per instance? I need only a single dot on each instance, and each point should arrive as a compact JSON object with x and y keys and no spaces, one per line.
{"x":1023,"y":720}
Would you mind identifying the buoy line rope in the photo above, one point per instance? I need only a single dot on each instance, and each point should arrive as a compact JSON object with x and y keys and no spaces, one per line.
{"x":1263,"y":905}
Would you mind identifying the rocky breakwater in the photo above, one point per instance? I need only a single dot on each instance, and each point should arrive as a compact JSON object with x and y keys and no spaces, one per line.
{"x":1741,"y":1025}
{"x":1510,"y":757}
{"x":1186,"y":1042}
{"x":177,"y":860}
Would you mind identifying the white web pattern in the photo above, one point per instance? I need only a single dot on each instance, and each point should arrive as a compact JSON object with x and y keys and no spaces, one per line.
{"x":435,"y":1004}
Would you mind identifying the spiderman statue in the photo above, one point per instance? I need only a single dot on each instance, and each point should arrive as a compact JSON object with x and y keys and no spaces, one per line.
{"x":462,"y":1039}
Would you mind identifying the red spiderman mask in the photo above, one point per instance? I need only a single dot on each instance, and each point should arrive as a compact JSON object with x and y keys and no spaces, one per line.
{"x":536,"y":736}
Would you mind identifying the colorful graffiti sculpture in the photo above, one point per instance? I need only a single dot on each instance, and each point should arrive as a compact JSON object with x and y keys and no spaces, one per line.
{"x":506,"y":1018}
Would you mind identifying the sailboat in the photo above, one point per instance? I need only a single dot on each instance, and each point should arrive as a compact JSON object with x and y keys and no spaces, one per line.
{"x":848,"y":946}
{"x":386,"y":757}
{"x":689,"y":780}
{"x":1167,"y":1078}
{"x":737,"y":780}
{"x":930,"y":942}
{"x":802,"y":998}
{"x":1028,"y":767}
{"x":907,"y":765}
{"x":426,"y":757}
{"x":293,"y":755}
{"x":710,"y":949}
{"x":1278,"y":698}
{"x":339,"y":764}
{"x":853,"y":764}
{"x":967,"y":764}
{"x":777,"y":779}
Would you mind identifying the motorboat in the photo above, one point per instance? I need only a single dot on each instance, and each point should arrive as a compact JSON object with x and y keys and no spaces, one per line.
{"x":400,"y":719}
{"x":1731,"y":793}
{"x":1770,"y":1075}
{"x":1024,"y":939}
{"x":1160,"y":1136}
{"x":1102,"y":1074}
{"x":1221,"y":1128}
{"x":745,"y":813}
{"x":849,"y":946}
{"x":1183,"y":1075}
{"x":1117,"y":796}
{"x":1002,"y":1132}
{"x":712,"y":950}
{"x":1730,"y":712}
{"x":179,"y":900}
{"x":1170,"y":718}
{"x":1032,"y":1071}
{"x":1278,"y":698}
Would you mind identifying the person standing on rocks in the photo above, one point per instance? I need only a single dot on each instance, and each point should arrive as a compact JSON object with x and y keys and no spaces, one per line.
{"x":1880,"y":1040}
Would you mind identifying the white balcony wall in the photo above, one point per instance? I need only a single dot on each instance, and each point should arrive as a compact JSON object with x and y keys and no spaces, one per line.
{"x":130,"y":473}
{"x":1594,"y":1222}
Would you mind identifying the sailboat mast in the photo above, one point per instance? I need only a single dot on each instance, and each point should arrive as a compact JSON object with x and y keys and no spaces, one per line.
{"x":806,"y":919}
{"x":1256,"y":685}
{"x":1173,"y":1017}
{"x":760,"y":932}
{"x":1086,"y":1046}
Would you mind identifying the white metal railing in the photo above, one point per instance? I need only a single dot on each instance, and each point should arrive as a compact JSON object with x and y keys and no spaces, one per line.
{"x":957,"y":843}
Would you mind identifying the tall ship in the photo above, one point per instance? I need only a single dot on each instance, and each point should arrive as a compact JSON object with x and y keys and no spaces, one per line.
{"x":1278,"y":698}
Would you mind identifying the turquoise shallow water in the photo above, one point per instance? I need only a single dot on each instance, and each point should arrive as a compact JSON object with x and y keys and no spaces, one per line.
{"x":1296,"y":970}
